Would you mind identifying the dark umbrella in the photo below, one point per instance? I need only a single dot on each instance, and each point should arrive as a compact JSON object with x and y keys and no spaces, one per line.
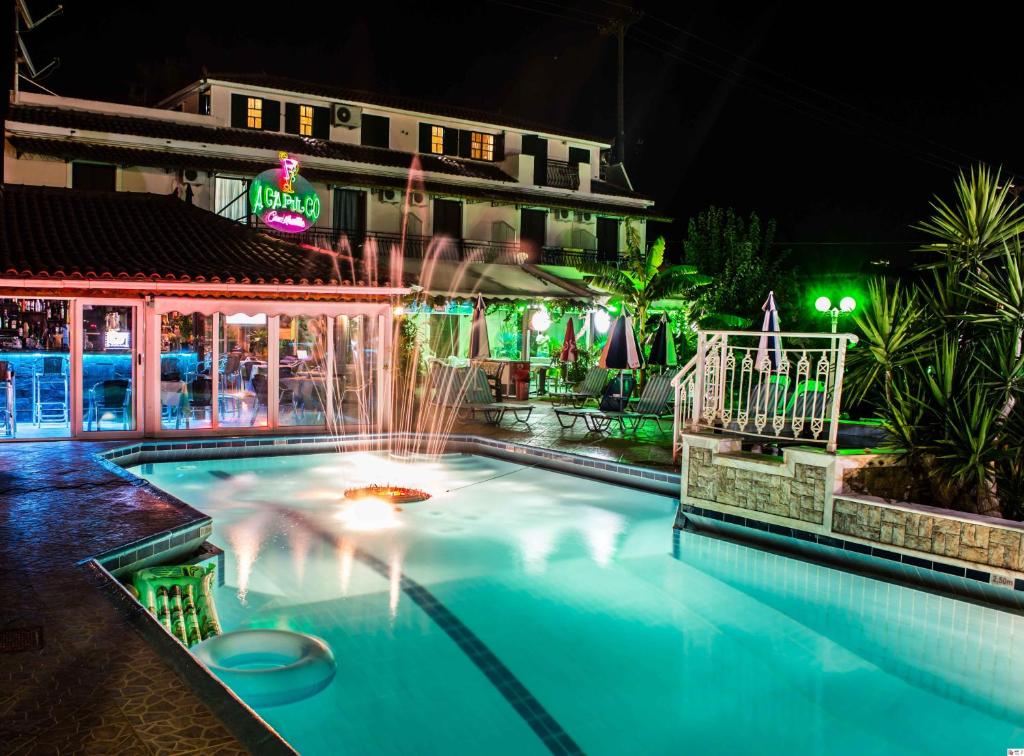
{"x":663,"y":348}
{"x":770,"y":345}
{"x":569,"y":353}
{"x":622,"y":351}
{"x":479,"y":345}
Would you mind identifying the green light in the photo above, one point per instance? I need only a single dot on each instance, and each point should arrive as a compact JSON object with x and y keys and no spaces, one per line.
{"x":823,"y":304}
{"x":848,"y":304}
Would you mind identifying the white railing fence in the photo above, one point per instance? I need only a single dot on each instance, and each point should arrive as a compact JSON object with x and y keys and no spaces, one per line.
{"x":737,"y":384}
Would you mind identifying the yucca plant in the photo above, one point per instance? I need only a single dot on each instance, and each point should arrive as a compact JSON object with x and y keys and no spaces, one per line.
{"x":948,"y":352}
{"x":984,"y":217}
{"x":895,"y":330}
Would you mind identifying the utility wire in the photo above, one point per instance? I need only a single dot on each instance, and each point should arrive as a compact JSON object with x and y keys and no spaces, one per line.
{"x":796,"y":82}
{"x":799,"y":105}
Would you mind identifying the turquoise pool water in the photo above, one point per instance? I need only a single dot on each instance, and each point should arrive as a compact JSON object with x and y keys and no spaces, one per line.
{"x":523,"y":611}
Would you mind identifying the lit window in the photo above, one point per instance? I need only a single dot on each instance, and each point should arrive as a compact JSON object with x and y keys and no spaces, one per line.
{"x":254,"y":113}
{"x":481,"y":146}
{"x":437,"y":140}
{"x":306,"y":120}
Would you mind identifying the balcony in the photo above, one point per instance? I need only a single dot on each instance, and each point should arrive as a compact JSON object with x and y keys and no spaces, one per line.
{"x":563,"y":175}
{"x":415,"y":247}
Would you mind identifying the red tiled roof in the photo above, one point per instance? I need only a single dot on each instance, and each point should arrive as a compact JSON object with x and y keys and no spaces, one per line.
{"x":48,"y":233}
{"x":76,"y":149}
{"x":398,"y":102}
{"x":86,"y":120}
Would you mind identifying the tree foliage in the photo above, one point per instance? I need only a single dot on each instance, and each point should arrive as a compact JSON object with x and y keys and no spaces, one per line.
{"x":947,"y":352}
{"x":742,"y":258}
{"x":641,"y":278}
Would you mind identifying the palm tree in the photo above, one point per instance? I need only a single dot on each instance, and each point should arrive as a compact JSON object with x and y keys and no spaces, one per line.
{"x":641,"y":278}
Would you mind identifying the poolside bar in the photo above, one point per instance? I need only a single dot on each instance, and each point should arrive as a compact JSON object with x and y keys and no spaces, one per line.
{"x":125,"y":315}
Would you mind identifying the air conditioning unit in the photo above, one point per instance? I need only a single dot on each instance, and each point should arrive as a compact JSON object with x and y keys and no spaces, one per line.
{"x":390,"y":195}
{"x":563,"y":215}
{"x":417,"y":198}
{"x":349,"y":116}
{"x":583,"y":217}
{"x":190,"y":176}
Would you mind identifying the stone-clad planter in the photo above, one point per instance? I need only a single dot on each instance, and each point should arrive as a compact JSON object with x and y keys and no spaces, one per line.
{"x":806,"y":497}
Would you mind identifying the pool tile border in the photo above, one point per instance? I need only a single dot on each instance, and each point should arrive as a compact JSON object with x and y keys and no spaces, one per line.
{"x":954,"y":578}
{"x":635,"y":476}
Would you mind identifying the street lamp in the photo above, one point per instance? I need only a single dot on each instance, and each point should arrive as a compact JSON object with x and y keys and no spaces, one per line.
{"x":846,"y":306}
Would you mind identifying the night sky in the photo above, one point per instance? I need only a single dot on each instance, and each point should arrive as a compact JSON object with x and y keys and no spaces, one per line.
{"x":839,"y":121}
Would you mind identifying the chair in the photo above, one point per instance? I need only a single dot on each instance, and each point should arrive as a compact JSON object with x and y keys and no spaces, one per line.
{"x":590,"y":387}
{"x":467,"y":391}
{"x":306,"y":397}
{"x":113,"y":397}
{"x":653,"y":405}
{"x":230,"y":370}
{"x":51,"y":393}
{"x":200,"y":392}
{"x":259,"y":387}
{"x":170,"y":370}
{"x":8,"y":408}
{"x":353,"y":385}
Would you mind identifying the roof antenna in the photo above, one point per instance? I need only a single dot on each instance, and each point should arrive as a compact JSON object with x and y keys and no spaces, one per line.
{"x":24,"y":22}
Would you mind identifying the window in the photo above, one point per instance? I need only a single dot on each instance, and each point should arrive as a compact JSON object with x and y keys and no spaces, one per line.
{"x":374,"y":131}
{"x":95,"y":177}
{"x":254,"y":113}
{"x":481,"y":146}
{"x":231,"y":198}
{"x":306,"y":120}
{"x":437,"y":140}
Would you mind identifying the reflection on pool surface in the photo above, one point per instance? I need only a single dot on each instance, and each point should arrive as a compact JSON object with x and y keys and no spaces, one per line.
{"x":525,"y":611}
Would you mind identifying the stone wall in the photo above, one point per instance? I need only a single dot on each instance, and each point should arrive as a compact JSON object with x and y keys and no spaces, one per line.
{"x":808,"y":492}
{"x":755,"y":486}
{"x":933,"y":534}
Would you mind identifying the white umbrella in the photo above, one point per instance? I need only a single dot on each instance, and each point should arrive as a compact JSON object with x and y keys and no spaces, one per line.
{"x":769,"y":346}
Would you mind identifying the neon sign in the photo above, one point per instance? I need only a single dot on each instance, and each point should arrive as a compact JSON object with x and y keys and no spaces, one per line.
{"x":283,"y":199}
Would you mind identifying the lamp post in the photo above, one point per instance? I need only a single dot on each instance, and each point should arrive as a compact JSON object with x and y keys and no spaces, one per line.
{"x":846,"y":306}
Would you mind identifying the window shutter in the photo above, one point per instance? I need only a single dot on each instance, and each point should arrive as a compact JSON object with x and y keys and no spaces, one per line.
{"x":291,"y":117}
{"x":499,"y":147}
{"x":451,"y":141}
{"x":271,"y":115}
{"x":322,"y":123}
{"x":465,"y":143}
{"x":238,"y":109}
{"x":425,"y":138}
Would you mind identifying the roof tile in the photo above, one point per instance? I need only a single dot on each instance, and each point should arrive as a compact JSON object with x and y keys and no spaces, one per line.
{"x":65,"y":233}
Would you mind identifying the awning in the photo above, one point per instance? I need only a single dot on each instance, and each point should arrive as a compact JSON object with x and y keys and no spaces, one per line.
{"x":493,"y":281}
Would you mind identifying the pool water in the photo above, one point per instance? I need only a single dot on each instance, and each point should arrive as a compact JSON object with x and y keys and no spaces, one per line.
{"x":523,"y":611}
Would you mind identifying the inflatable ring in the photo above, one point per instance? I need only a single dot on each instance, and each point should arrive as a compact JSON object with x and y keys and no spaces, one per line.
{"x":269,"y":667}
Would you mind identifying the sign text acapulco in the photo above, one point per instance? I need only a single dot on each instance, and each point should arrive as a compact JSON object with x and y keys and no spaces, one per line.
{"x":283,"y":199}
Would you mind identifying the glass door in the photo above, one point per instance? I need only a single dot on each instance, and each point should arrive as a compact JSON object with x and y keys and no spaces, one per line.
{"x":108,"y":372}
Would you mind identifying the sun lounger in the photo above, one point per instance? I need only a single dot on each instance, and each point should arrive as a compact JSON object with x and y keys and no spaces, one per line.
{"x":590,"y":387}
{"x":466,"y":390}
{"x":654,"y":404}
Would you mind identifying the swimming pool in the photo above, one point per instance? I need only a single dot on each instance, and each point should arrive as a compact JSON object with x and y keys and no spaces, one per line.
{"x":526,"y":611}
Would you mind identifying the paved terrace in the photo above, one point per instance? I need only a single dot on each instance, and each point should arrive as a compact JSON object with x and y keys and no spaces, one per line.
{"x":95,"y":685}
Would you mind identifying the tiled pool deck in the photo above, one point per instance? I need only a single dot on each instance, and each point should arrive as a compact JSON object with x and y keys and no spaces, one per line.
{"x":93,"y":684}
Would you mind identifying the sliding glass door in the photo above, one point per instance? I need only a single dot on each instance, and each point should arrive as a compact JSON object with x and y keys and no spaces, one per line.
{"x":243,"y":367}
{"x":107,"y":353}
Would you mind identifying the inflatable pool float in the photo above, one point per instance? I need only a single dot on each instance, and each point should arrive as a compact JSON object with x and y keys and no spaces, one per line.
{"x":180,"y":597}
{"x":269,"y":667}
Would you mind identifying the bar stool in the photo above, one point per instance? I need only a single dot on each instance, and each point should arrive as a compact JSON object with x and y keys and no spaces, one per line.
{"x":51,"y":393}
{"x":8,"y":413}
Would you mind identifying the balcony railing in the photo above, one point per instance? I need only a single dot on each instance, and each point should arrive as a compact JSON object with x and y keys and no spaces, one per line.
{"x":563,"y":175}
{"x":415,"y":247}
